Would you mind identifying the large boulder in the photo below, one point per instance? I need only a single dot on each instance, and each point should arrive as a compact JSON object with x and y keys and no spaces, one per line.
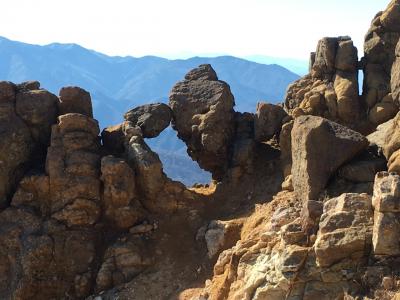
{"x":73,"y":166}
{"x":395,"y":77}
{"x":267,"y":121}
{"x":319,"y":148}
{"x":75,"y":100}
{"x":203,"y":116}
{"x":151,"y":118}
{"x":345,"y":229}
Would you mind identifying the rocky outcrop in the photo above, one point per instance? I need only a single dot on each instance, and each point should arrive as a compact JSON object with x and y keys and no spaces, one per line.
{"x":331,"y":88}
{"x":26,"y":115}
{"x":386,"y":202}
{"x":300,"y":206}
{"x":379,"y":56}
{"x":73,"y":166}
{"x":38,"y":109}
{"x":203,"y":116}
{"x":319,"y":148}
{"x":120,"y":197}
{"x":267,"y":121}
{"x":386,"y":139}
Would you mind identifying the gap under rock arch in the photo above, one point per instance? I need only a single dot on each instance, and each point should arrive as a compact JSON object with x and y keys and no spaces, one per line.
{"x":177,"y":163}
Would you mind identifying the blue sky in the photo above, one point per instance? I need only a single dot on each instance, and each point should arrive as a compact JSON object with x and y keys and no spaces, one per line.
{"x":182,"y":28}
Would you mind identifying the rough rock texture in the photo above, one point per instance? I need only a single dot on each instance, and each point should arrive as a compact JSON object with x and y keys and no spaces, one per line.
{"x":75,"y":100}
{"x":38,"y":109}
{"x":386,"y":202}
{"x":203,"y":116}
{"x":379,"y":56}
{"x":122,"y":262}
{"x":73,"y":166}
{"x":344,"y":229}
{"x":331,"y":88}
{"x":151,"y":118}
{"x":159,"y":193}
{"x":277,"y":262}
{"x":319,"y":148}
{"x":268,"y":121}
{"x":26,"y":116}
{"x":120,"y":198}
{"x":285,"y":144}
{"x":395,"y":77}
{"x":113,"y":139}
{"x":298,"y":208}
{"x":221,"y":235}
{"x":387,"y":138}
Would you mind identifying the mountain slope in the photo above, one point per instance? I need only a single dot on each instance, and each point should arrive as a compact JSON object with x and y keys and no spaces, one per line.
{"x":118,"y":84}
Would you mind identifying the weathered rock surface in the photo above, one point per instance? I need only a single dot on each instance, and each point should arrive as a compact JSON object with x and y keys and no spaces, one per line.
{"x":386,"y":202}
{"x":120,"y":197}
{"x":285,"y":144}
{"x":331,"y":88}
{"x":221,"y":235}
{"x":75,"y":100}
{"x":121,"y":263}
{"x":151,"y":118}
{"x":267,"y":121}
{"x":344,"y":229}
{"x":113,"y":139}
{"x":39,"y":110}
{"x":26,"y":116}
{"x":319,"y":148}
{"x":203,"y":116}
{"x":73,"y":166}
{"x":379,"y":56}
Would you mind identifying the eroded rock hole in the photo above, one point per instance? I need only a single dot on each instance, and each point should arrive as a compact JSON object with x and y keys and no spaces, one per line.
{"x":176,"y":162}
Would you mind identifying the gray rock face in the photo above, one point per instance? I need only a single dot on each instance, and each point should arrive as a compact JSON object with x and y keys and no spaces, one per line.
{"x":151,"y":118}
{"x":319,"y":148}
{"x":267,"y":121}
{"x":203,"y":116}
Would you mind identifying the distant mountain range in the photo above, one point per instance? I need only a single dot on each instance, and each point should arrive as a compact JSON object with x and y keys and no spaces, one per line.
{"x":118,"y":84}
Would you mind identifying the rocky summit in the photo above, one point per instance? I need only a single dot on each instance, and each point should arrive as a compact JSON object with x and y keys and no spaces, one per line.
{"x":304,"y":203}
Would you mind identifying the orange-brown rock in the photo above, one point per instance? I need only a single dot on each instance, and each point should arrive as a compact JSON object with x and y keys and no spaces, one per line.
{"x":75,"y":100}
{"x":73,"y":166}
{"x":120,"y":196}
